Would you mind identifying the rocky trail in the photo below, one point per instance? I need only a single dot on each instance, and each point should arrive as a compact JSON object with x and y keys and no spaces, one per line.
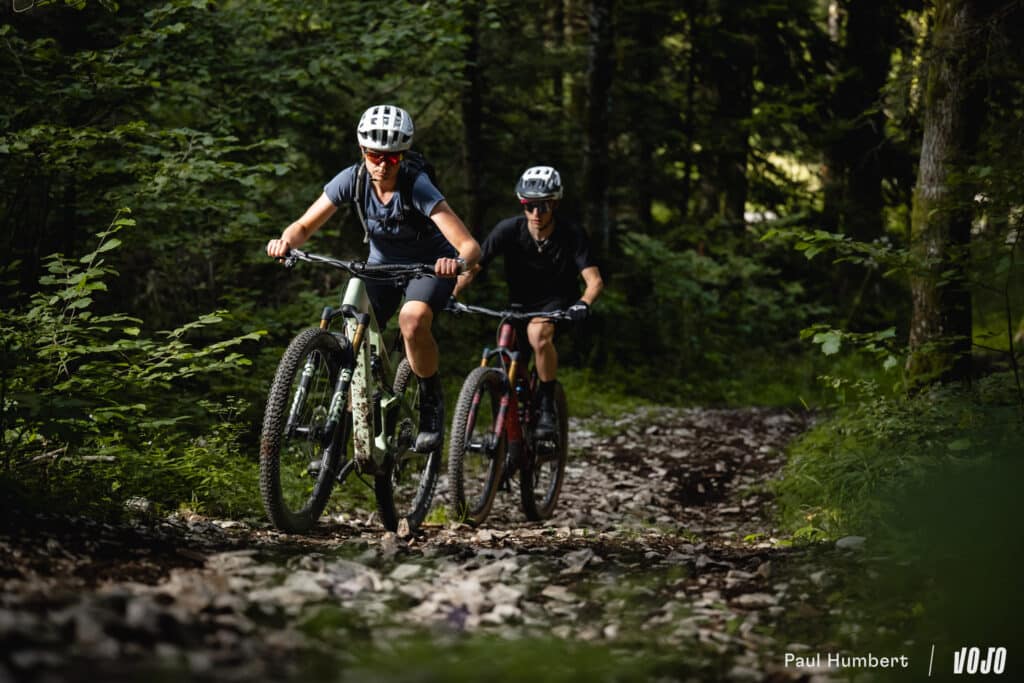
{"x":661,"y":563}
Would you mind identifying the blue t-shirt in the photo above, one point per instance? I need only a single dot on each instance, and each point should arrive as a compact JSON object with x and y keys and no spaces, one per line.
{"x":393,"y":237}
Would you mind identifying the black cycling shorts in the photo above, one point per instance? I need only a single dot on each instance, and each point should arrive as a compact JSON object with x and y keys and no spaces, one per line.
{"x":430,"y":289}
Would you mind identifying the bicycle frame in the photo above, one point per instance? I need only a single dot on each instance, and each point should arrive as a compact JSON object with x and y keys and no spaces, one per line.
{"x":508,"y":411}
{"x":373,"y":403}
{"x":370,"y":436}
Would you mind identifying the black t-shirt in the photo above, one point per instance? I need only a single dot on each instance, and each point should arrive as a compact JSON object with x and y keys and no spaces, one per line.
{"x":537,"y":274}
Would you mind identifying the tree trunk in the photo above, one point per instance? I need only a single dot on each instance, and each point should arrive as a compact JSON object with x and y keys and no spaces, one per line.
{"x":853,"y":171}
{"x":729,"y":66}
{"x":472,"y":116}
{"x":940,"y":327}
{"x":595,"y":162}
{"x":558,"y":41}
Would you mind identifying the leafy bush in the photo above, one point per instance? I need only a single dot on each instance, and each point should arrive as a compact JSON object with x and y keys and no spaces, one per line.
{"x":94,"y":411}
{"x":845,"y":475}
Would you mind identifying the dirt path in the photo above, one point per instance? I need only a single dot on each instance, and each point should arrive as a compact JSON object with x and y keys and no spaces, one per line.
{"x":660,"y":563}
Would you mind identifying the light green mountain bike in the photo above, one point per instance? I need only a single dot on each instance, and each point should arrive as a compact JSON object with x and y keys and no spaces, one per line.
{"x":335,"y":407}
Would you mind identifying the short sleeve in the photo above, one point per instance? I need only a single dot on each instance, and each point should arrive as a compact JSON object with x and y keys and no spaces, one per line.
{"x":342,"y":188}
{"x":497,"y":240}
{"x":582,"y":256}
{"x":425,"y":197}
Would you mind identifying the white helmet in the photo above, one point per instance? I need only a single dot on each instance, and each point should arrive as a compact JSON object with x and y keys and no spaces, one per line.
{"x":539,"y":182}
{"x":385,"y":127}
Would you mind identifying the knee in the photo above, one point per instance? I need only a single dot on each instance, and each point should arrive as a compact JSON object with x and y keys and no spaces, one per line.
{"x":415,"y":322}
{"x":541,"y":342}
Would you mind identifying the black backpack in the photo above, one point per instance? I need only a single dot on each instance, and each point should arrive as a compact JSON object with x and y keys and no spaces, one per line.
{"x":413,"y":163}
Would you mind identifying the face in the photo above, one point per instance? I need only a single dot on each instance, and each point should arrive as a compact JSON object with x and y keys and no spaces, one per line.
{"x":539,"y":213}
{"x":382,"y":165}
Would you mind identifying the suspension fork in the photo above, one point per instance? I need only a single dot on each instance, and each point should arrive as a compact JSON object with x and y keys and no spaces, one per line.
{"x":308,"y":371}
{"x":339,"y":400}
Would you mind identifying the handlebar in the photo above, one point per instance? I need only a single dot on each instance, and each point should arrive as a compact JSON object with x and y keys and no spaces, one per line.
{"x":361,"y":268}
{"x":456,"y":307}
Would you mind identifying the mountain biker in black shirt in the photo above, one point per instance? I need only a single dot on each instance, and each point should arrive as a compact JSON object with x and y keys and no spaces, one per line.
{"x":544,"y":258}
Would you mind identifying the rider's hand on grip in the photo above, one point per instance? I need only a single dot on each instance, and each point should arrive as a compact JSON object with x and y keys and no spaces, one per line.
{"x":449,"y":267}
{"x":278,"y":248}
{"x":579,"y":311}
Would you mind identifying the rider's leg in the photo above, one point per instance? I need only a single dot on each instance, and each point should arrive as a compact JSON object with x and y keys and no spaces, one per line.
{"x":541,"y":334}
{"x":424,"y":298}
{"x":415,"y":320}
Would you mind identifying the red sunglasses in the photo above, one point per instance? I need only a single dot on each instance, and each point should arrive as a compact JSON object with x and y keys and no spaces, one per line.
{"x":389,"y":158}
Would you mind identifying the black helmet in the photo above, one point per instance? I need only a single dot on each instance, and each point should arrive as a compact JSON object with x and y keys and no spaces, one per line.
{"x":539,"y":182}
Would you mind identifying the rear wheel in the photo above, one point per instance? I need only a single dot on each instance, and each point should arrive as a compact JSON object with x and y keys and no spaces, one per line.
{"x":406,"y":480}
{"x":477,"y":445}
{"x":300,"y":451}
{"x":543,"y":469}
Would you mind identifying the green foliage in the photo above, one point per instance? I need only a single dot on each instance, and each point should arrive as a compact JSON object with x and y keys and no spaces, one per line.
{"x":590,"y":394}
{"x":953,"y":546}
{"x":91,"y":402}
{"x":844,"y":476}
{"x":694,"y":315}
{"x":880,"y":344}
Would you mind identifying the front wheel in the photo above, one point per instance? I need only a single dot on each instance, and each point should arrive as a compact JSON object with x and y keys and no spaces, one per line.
{"x":477,"y":445}
{"x":406,"y":480}
{"x":543,"y":468}
{"x":300,"y":448}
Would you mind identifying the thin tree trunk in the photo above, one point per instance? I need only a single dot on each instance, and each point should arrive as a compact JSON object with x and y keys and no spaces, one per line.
{"x":472,"y":115}
{"x":558,"y":31}
{"x":729,"y":67}
{"x":689,"y":122}
{"x":599,"y":78}
{"x":864,"y":34}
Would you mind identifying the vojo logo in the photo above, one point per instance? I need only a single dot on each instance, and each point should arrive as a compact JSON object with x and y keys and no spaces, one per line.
{"x":969,"y":660}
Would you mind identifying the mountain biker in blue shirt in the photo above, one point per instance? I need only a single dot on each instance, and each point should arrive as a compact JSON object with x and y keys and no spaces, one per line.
{"x":427,"y":232}
{"x":544,"y":259}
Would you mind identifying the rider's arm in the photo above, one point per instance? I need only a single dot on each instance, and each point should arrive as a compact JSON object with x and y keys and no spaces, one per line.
{"x":455,"y":231}
{"x":296,"y":234}
{"x":465,"y":279}
{"x":594,"y":282}
{"x":495,"y":244}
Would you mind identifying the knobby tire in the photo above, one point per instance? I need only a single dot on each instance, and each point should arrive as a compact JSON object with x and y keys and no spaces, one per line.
{"x":392,"y":480}
{"x":474,"y":477}
{"x":295,"y":506}
{"x":539,"y":496}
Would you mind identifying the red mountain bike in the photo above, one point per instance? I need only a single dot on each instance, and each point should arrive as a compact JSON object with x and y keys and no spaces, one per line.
{"x":491,"y":438}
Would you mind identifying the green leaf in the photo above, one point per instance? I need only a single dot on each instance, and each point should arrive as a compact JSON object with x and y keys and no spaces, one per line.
{"x":107,"y":246}
{"x":830,"y":341}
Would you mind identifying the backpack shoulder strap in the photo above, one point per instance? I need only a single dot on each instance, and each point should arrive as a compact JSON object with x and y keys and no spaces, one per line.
{"x":412,"y":166}
{"x":357,"y":199}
